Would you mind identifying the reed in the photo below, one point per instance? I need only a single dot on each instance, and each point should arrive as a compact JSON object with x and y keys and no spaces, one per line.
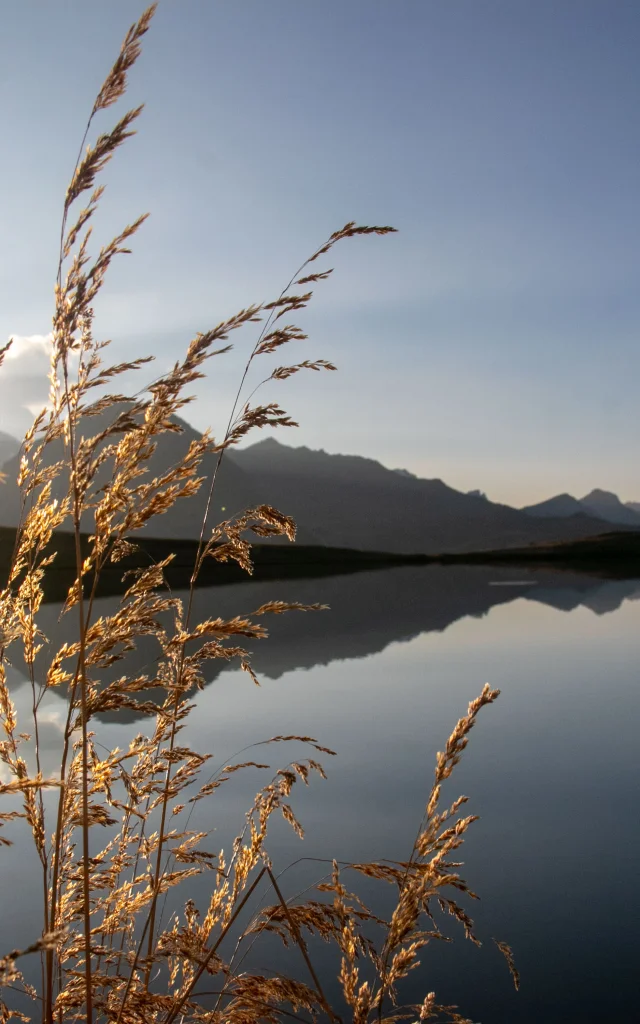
{"x":111,"y":828}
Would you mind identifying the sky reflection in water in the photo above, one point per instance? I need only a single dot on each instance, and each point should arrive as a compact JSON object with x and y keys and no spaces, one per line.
{"x":551,"y":768}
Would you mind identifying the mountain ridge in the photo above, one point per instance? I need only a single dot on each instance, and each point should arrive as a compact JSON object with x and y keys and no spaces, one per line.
{"x":340,"y":501}
{"x":600,"y":503}
{"x":380,"y":509}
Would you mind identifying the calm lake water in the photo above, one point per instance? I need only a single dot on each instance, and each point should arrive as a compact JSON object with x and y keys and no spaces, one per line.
{"x":552,"y":767}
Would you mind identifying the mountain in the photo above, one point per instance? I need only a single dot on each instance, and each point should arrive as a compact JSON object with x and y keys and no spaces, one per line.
{"x":608,"y":506}
{"x":561,"y":505}
{"x":236,"y":489}
{"x":633,"y":505}
{"x":9,"y":447}
{"x":337,"y":500}
{"x":601,"y":504}
{"x":184,"y":520}
{"x":350,"y":501}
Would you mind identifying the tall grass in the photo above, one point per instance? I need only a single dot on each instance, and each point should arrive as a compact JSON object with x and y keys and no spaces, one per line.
{"x":112,"y":829}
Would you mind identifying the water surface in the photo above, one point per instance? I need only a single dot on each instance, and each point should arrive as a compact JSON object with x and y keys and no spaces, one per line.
{"x":381,"y":678}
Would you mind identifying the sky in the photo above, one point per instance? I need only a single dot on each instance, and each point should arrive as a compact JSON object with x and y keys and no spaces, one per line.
{"x":492,"y":342}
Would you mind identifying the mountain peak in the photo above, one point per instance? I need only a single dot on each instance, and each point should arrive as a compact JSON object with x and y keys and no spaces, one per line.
{"x":608,"y":506}
{"x":266,"y":442}
{"x":346,"y":501}
{"x":597,"y":494}
{"x":562,"y":505}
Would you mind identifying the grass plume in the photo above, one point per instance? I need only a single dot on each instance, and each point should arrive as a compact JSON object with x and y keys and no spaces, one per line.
{"x":112,"y":828}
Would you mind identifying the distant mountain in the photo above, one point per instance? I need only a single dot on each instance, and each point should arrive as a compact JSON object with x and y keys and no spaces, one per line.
{"x":601,"y":504}
{"x":633,"y":505}
{"x":338,"y":501}
{"x":561,"y":505}
{"x":349,"y":501}
{"x":608,"y":506}
{"x":9,"y":446}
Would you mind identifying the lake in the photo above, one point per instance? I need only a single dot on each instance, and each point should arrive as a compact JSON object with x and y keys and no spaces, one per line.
{"x":552,"y":767}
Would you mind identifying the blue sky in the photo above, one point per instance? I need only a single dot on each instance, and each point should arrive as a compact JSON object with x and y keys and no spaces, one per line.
{"x":492,"y":342}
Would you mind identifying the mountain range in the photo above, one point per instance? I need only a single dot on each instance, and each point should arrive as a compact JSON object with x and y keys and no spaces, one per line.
{"x":353,"y":502}
{"x":602,"y":504}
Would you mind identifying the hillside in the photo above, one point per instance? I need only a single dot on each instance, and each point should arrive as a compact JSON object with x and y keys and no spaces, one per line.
{"x":341,"y":501}
{"x":354,"y":502}
{"x":237,"y":491}
{"x":614,"y":555}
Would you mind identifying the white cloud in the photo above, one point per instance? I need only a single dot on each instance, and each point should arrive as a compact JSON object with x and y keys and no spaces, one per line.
{"x":24,"y":381}
{"x":28,"y":346}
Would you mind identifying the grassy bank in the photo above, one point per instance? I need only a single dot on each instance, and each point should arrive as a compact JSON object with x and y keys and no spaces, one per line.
{"x":616,"y":555}
{"x":612,"y":555}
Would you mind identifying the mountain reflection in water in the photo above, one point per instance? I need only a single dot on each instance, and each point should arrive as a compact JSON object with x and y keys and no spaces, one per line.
{"x":381,"y":678}
{"x":367,"y":612}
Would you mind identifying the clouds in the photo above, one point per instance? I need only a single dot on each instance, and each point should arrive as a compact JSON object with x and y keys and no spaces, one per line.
{"x":51,"y":723}
{"x":508,"y":167}
{"x":24,"y":381}
{"x":26,"y":346}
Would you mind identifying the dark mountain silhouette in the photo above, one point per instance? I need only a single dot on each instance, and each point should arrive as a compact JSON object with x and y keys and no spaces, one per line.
{"x":183,"y":520}
{"x":355,"y":502}
{"x":341,"y":501}
{"x":235,"y":489}
{"x":601,"y":504}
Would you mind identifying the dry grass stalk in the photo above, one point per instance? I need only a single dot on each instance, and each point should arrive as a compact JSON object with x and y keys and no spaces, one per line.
{"x":106,"y":953}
